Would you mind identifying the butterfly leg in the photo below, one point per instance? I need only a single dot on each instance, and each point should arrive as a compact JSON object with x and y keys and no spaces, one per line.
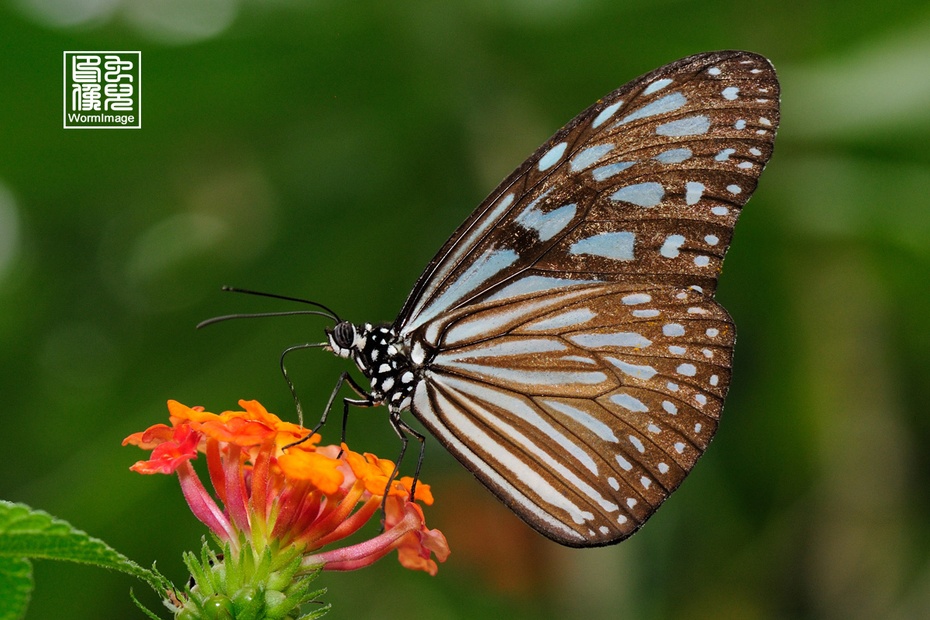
{"x":366,"y":400}
{"x":403,"y":430}
{"x":345,"y":377}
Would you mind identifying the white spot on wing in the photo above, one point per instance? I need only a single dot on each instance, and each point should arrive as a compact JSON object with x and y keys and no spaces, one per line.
{"x":549,"y":224}
{"x":578,"y":358}
{"x":605,"y":172}
{"x":670,"y":247}
{"x":668,"y":103}
{"x":673,"y":156}
{"x":552,"y":156}
{"x":614,"y":339}
{"x":590,"y":156}
{"x":628,"y":402}
{"x":693,"y":192}
{"x":657,"y":85}
{"x":688,"y":126}
{"x":613,"y":245}
{"x":647,"y":194}
{"x":605,"y":114}
{"x":643,"y":373}
{"x":634,"y":299}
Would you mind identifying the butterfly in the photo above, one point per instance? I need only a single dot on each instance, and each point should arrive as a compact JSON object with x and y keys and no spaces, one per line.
{"x":564,"y":344}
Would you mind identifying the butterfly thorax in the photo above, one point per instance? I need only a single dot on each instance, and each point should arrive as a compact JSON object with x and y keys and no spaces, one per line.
{"x":382,"y":358}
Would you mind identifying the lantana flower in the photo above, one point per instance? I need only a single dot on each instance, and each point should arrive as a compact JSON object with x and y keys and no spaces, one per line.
{"x":283,"y":507}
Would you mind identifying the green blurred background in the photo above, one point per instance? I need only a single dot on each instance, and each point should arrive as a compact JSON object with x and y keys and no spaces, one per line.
{"x":327,"y":149}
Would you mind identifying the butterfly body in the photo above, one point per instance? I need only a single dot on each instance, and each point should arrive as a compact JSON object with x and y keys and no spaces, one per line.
{"x":564,"y":344}
{"x":381,"y":357}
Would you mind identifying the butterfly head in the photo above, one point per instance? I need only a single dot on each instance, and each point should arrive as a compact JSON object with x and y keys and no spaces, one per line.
{"x":345,"y":338}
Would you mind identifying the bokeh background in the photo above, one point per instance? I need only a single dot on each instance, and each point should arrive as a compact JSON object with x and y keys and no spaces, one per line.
{"x":326,"y":149}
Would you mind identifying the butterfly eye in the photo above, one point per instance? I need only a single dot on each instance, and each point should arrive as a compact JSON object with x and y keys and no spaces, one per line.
{"x":342,"y":337}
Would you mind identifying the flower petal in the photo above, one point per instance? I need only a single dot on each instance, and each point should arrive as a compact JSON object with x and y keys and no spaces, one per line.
{"x":150,"y":437}
{"x":320,"y":470}
{"x":168,"y":455}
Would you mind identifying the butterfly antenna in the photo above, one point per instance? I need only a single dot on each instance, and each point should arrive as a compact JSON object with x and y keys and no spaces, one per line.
{"x":330,"y":313}
{"x":259,"y":315}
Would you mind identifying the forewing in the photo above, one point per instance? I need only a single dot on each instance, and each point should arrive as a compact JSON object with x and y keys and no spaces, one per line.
{"x":642,"y":187}
{"x":582,"y":409}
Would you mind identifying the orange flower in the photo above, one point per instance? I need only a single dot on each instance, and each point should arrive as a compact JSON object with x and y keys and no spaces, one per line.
{"x":306,"y":497}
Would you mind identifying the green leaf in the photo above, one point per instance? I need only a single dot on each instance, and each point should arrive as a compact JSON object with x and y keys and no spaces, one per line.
{"x":15,"y":587}
{"x":30,"y":534}
{"x":317,"y":613}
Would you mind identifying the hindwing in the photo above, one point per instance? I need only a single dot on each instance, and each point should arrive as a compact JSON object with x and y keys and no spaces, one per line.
{"x":582,"y":408}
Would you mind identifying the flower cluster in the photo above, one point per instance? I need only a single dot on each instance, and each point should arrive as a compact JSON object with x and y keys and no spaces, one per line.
{"x":281,"y":495}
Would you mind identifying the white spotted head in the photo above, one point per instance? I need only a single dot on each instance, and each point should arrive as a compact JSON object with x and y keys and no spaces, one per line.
{"x":344,"y":338}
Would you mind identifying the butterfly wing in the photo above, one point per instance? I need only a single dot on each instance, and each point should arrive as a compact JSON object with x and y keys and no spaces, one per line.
{"x":643,"y":186}
{"x":583,"y":408}
{"x":573,"y":356}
